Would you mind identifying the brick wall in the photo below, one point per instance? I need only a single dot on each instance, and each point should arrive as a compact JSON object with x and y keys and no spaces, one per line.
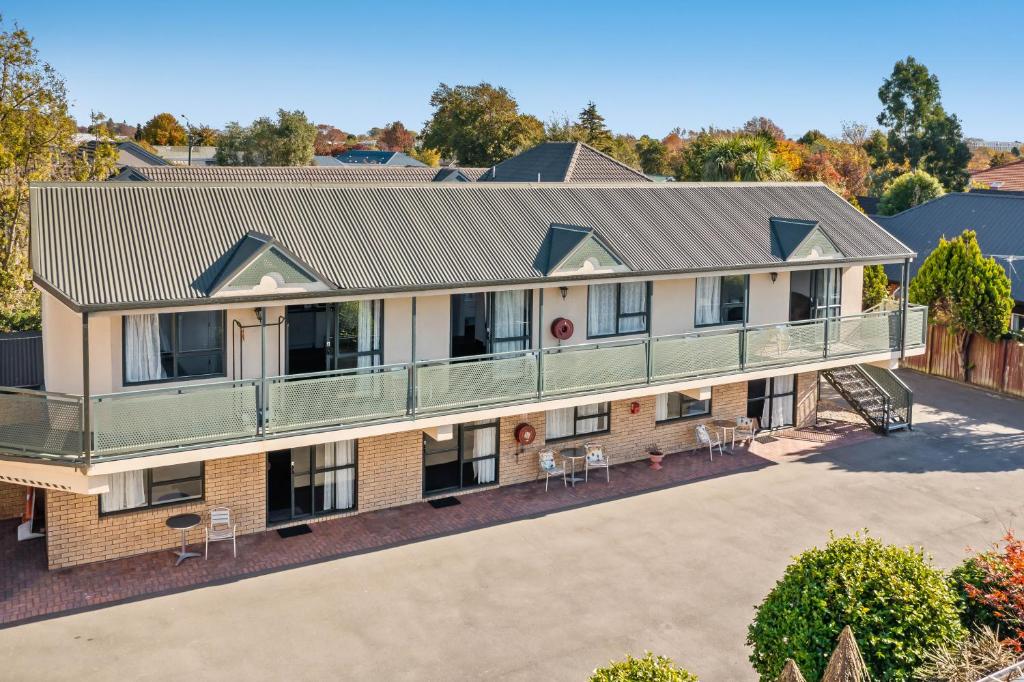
{"x":806,"y":398}
{"x":390,"y":470}
{"x":12,"y":500}
{"x":77,"y":534}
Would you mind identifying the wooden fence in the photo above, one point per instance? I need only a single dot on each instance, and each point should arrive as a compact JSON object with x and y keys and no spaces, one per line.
{"x":995,"y":365}
{"x":21,"y":359}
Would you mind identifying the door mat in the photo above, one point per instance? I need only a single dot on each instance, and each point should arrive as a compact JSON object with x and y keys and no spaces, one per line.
{"x":292,"y":531}
{"x":443,"y":502}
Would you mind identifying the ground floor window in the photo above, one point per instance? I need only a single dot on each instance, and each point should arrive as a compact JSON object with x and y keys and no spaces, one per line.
{"x":153,"y":487}
{"x":570,"y":422}
{"x":310,"y":481}
{"x":672,"y":406}
{"x":468,"y":459}
{"x":772,"y":401}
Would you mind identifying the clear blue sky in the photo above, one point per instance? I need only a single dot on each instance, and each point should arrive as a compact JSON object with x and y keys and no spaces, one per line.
{"x":648,"y":66}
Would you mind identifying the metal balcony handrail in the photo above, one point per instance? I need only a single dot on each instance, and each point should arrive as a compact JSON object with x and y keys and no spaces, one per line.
{"x":171,"y":390}
{"x":477,"y":358}
{"x":41,"y":394}
{"x":394,"y":367}
{"x":591,"y":345}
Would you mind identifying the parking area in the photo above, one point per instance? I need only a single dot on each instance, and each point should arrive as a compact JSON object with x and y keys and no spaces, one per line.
{"x":554,"y":594}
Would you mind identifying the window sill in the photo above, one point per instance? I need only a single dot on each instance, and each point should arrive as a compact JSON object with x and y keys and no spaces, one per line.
{"x":579,"y":436}
{"x":687,"y":418}
{"x":154,"y":508}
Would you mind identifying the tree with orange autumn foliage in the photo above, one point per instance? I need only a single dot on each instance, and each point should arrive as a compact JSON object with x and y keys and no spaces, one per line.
{"x":996,"y":585}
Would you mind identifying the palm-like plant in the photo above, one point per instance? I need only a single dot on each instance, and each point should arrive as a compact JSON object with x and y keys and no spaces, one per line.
{"x":743,"y":158}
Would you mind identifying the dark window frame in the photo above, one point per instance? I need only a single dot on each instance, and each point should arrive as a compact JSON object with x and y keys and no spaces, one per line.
{"x":460,"y":449}
{"x":354,"y":466}
{"x":724,"y":307}
{"x":149,"y":506}
{"x":526,"y":339}
{"x":770,"y":395}
{"x":379,"y":336}
{"x":577,"y":418}
{"x":175,"y":353}
{"x":619,"y":315}
{"x":687,"y":417}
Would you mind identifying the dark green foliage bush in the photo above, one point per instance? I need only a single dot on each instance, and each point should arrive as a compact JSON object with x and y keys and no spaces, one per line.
{"x":897,"y":604}
{"x":650,"y":668}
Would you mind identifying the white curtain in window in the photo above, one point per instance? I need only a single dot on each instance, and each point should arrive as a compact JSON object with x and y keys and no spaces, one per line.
{"x":127,"y":491}
{"x":367,"y":338}
{"x":709,"y":300}
{"x":560,"y":423}
{"x":661,"y":407}
{"x":590,"y":425}
{"x":509,"y":319}
{"x":485,"y":443}
{"x":633,"y":300}
{"x":602,"y":309}
{"x":340,"y":485}
{"x":142,"y":348}
{"x":779,"y":410}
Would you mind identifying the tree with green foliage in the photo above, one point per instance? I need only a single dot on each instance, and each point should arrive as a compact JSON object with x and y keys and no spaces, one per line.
{"x":36,"y":144}
{"x":650,"y":668}
{"x":909,"y":190}
{"x":763,"y":126}
{"x":921,"y":134}
{"x":593,"y":130}
{"x":478,"y":125}
{"x":285,"y":142}
{"x":898,"y":604}
{"x":876,"y":286}
{"x":743,"y":158}
{"x":431,"y":157}
{"x":812,"y":136}
{"x":164,"y":129}
{"x":965,"y":291}
{"x":652,"y":155}
{"x":96,"y":160}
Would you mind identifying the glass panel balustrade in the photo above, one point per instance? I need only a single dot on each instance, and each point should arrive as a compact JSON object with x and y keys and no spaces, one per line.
{"x":469,"y":382}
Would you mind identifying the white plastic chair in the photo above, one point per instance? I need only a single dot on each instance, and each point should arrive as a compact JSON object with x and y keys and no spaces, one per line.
{"x":595,"y":459}
{"x":746,"y":428}
{"x":549,"y":468}
{"x":221,"y":529}
{"x":705,"y":439}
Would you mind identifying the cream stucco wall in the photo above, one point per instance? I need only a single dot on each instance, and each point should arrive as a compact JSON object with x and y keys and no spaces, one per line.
{"x":769,"y":301}
{"x":853,"y":290}
{"x":672,"y":306}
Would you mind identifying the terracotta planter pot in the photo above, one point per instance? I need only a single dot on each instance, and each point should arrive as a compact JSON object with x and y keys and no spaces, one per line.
{"x":656,"y":458}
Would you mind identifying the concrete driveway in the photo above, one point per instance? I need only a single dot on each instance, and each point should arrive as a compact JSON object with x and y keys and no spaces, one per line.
{"x":676,"y":571}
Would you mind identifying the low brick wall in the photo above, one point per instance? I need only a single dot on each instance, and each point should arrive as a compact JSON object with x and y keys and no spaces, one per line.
{"x":390,"y":474}
{"x":12,"y":501}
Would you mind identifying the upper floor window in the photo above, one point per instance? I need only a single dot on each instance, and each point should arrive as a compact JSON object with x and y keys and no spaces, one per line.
{"x":170,"y":346}
{"x":615,"y":309}
{"x":721,"y":300}
{"x":491,"y":322}
{"x":153,"y":487}
{"x":814,"y":294}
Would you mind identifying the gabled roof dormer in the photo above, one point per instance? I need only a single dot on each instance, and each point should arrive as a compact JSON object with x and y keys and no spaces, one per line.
{"x":794,"y":239}
{"x":575,"y":250}
{"x":261,"y":265}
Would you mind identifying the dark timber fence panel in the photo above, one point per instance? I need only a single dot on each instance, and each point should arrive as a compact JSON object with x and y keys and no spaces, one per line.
{"x":21,"y":359}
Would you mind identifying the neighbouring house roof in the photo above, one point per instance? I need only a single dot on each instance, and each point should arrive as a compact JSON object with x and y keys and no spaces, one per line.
{"x":373,"y":156}
{"x":1008,"y":177}
{"x":997,"y":217}
{"x":369,"y":173}
{"x":324,"y":160}
{"x":129,"y":153}
{"x":202,"y":155}
{"x":120,"y":245}
{"x":563,"y":162}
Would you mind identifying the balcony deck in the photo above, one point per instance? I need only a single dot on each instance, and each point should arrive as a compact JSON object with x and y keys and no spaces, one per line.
{"x":51,"y":428}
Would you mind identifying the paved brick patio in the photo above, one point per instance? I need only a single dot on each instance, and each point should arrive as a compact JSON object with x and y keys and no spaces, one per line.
{"x":29,"y":591}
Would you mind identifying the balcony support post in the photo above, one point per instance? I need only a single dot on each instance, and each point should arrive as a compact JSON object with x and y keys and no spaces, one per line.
{"x":264,"y":393}
{"x":86,"y":400}
{"x":824,"y":353}
{"x":650,"y":336}
{"x":540,"y":346}
{"x":904,"y":297}
{"x":411,"y":399}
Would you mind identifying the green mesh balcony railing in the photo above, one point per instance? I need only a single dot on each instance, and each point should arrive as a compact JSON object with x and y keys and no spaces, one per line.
{"x":51,"y":427}
{"x":467,"y":382}
{"x":594,"y":366}
{"x":338,"y":398}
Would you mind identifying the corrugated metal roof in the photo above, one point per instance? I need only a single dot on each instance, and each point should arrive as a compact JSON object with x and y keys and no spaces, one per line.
{"x":366,"y":173}
{"x":563,"y":162}
{"x":997,"y":218}
{"x":118,"y":243}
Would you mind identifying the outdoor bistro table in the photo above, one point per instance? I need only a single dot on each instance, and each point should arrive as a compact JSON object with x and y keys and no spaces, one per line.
{"x":184,"y":522}
{"x":726,"y":426}
{"x":573,"y":454}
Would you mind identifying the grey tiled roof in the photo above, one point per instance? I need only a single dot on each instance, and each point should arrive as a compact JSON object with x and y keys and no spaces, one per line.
{"x":112,"y":244}
{"x":997,"y":217}
{"x":365,"y":173}
{"x":563,"y":162}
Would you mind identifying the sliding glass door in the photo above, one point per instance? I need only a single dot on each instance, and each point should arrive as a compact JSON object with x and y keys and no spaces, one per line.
{"x":311,"y":481}
{"x":490,"y":322}
{"x":328,"y":336}
{"x":468,"y":459}
{"x":815,"y":294}
{"x":772,"y":401}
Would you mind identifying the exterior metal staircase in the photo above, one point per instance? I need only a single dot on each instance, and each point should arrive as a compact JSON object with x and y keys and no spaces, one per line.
{"x":876,"y":394}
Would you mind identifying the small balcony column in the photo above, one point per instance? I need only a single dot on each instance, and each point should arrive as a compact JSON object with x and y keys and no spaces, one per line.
{"x":86,"y":402}
{"x":904,"y":299}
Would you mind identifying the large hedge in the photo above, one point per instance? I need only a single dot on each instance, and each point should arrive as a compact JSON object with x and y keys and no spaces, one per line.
{"x":897,"y":604}
{"x":650,"y":668}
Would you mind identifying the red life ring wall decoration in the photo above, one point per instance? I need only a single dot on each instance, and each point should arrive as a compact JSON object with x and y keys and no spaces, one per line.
{"x":562,"y":329}
{"x":525,"y":434}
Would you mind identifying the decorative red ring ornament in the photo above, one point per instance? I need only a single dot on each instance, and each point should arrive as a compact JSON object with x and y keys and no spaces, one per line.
{"x":634,"y":408}
{"x":562,"y":329}
{"x":525,"y":434}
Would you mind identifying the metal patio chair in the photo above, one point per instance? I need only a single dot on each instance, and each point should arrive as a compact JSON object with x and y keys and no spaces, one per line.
{"x":596,"y":459}
{"x":549,"y":468}
{"x":705,"y":439}
{"x":746,"y":428}
{"x":221,"y":529}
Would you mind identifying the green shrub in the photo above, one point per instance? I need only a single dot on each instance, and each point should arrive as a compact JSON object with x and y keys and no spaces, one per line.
{"x":972,"y":613}
{"x":650,"y":668}
{"x":897,"y":604}
{"x":909,"y":190}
